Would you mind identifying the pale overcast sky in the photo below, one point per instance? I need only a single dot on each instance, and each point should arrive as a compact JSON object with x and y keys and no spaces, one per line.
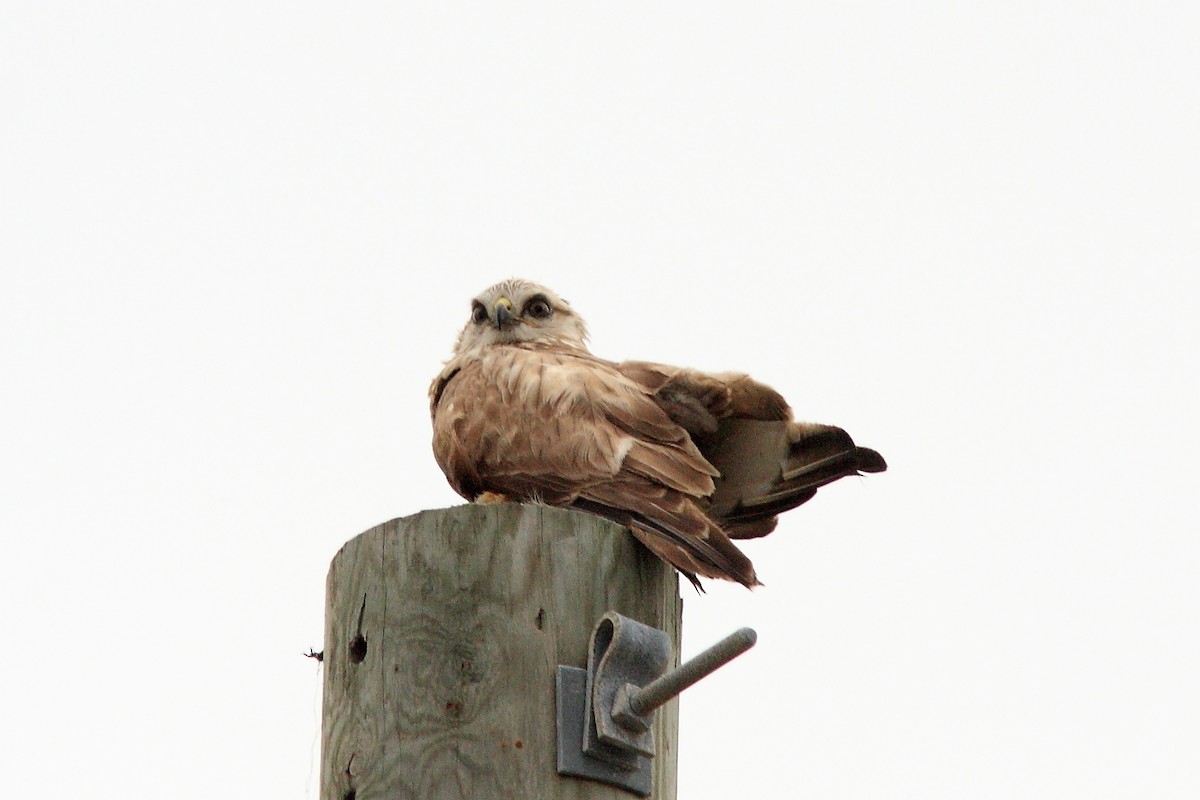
{"x":238,"y":239}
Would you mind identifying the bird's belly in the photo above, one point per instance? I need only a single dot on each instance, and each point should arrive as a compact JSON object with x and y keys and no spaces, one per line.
{"x":530,"y":439}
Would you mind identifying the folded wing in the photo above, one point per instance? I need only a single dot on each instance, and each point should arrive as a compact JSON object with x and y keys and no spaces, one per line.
{"x":768,"y":464}
{"x":570,"y":429}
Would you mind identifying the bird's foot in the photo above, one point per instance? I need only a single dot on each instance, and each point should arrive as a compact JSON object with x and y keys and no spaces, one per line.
{"x":491,"y":498}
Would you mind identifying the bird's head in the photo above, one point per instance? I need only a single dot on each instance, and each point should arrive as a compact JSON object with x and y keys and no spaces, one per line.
{"x":518,"y":311}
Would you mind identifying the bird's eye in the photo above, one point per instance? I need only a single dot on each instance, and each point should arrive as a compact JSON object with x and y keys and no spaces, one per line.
{"x":478,"y":314}
{"x":538,"y":308}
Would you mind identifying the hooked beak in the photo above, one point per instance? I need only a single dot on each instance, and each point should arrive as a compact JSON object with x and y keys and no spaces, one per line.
{"x":504,"y":315}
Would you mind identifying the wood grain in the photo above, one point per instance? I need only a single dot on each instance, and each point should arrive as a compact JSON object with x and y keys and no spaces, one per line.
{"x":466,"y":612}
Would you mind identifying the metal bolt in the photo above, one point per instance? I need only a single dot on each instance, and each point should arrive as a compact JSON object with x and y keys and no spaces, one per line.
{"x":660,"y":690}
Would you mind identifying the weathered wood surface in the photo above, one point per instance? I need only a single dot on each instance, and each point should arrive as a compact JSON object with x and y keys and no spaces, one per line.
{"x":466,"y":612}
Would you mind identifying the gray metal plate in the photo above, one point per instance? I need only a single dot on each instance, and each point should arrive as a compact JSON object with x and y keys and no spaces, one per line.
{"x":570,"y":685}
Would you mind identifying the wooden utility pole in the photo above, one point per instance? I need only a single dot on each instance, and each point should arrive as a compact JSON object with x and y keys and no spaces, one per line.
{"x":442,"y":634}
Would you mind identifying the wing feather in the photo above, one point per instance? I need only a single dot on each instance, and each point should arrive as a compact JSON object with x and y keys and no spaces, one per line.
{"x":573,"y":430}
{"x":771,"y":467}
{"x":767,"y":463}
{"x":672,"y":526}
{"x":639,"y":443}
{"x":698,"y":400}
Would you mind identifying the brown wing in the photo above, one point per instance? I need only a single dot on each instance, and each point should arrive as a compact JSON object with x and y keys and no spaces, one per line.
{"x":768,"y":467}
{"x":570,"y":429}
{"x":768,"y":464}
{"x":699,"y":400}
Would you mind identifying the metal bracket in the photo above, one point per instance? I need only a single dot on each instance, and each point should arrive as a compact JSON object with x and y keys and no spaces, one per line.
{"x":606,"y":712}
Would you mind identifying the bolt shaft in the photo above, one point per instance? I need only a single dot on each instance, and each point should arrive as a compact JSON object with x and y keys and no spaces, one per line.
{"x":663,"y":688}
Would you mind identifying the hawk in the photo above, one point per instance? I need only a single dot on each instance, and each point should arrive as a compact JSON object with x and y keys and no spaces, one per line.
{"x":688,"y":460}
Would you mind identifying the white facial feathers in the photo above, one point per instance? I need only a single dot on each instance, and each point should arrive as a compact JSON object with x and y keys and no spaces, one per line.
{"x":521,"y":312}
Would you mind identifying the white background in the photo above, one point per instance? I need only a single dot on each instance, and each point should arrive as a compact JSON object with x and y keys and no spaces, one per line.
{"x":238,"y":239}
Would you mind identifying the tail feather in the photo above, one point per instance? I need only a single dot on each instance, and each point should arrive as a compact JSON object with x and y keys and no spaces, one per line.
{"x":768,"y":468}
